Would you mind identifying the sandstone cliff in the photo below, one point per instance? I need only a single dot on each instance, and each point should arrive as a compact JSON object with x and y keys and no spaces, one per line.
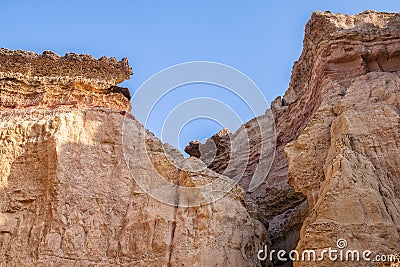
{"x":80,"y":177}
{"x":345,"y":155}
{"x":335,"y":173}
{"x":71,"y":156}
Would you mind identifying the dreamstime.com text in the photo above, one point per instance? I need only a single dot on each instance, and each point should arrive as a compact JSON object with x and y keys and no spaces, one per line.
{"x":340,"y":253}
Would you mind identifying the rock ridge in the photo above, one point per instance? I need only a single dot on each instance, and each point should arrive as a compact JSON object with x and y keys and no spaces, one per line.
{"x":28,"y":79}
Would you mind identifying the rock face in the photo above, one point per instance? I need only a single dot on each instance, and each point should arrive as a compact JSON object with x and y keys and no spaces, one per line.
{"x":80,"y":178}
{"x":335,"y":174}
{"x":345,"y":158}
{"x":71,"y":158}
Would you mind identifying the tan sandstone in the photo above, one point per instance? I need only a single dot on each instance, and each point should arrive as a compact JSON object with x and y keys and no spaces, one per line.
{"x":337,"y":142}
{"x":68,"y":190}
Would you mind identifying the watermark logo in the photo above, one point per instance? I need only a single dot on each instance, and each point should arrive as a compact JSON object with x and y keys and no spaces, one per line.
{"x":341,"y":243}
{"x":340,"y":253}
{"x":158,"y":87}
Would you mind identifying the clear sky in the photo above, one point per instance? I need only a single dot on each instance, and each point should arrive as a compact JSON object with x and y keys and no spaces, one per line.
{"x":262,"y":39}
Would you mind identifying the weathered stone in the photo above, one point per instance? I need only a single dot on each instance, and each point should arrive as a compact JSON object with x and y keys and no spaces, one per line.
{"x":193,"y":149}
{"x":214,"y":152}
{"x":48,"y":80}
{"x":73,"y":162}
{"x":339,"y":122}
{"x":345,"y":156}
{"x":69,"y":194}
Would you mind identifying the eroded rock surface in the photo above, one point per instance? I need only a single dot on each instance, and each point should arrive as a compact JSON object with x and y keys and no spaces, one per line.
{"x":345,"y":157}
{"x":335,"y":169}
{"x":28,"y":79}
{"x":71,"y":159}
{"x":68,"y":190}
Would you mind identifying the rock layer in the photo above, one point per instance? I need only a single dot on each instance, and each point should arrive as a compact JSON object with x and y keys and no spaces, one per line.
{"x":48,"y":80}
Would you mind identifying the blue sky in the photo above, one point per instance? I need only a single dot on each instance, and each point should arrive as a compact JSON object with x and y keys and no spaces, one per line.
{"x":262,"y":39}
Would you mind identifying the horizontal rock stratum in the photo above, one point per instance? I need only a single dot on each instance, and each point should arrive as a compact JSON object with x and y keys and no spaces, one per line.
{"x":48,"y":80}
{"x":72,"y":156}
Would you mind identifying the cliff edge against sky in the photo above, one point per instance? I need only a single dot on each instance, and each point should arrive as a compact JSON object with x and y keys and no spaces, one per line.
{"x":72,"y":156}
{"x":335,"y":171}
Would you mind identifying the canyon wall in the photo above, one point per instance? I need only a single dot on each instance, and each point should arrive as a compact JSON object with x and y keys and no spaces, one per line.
{"x":335,"y":174}
{"x":345,"y":157}
{"x":71,"y":155}
{"x":83,"y":183}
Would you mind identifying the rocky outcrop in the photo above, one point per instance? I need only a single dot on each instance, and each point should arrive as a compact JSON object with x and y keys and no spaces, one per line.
{"x":335,"y":169}
{"x":215,"y":152}
{"x":83,"y":183}
{"x":274,"y":202}
{"x":48,"y":80}
{"x":193,"y":149}
{"x":71,"y":161}
{"x":344,"y":158}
